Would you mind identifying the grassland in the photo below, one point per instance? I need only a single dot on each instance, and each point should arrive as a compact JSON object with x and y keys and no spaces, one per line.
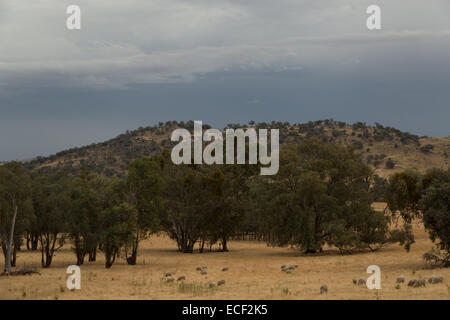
{"x":254,"y":273}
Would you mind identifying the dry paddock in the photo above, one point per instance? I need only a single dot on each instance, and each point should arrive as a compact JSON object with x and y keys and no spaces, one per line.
{"x":254,"y":273}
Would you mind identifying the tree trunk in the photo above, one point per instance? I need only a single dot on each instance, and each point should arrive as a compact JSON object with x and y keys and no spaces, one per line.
{"x":79,"y":250}
{"x":93,"y":254}
{"x":202,"y":246}
{"x":4,"y":253}
{"x":10,"y":243}
{"x":14,"y":256}
{"x":110,"y":257}
{"x":131,"y":260}
{"x":28,"y":241}
{"x":34,"y":242}
{"x":224,"y":244}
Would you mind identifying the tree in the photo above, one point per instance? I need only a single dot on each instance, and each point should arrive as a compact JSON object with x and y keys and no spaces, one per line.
{"x":435,"y":207}
{"x":185,"y":207}
{"x":83,"y":215}
{"x":403,"y":194}
{"x":50,"y":202}
{"x":320,"y":196}
{"x":228,"y":193}
{"x":378,"y":188}
{"x":143,"y":191}
{"x":15,"y":209}
{"x":118,"y":224}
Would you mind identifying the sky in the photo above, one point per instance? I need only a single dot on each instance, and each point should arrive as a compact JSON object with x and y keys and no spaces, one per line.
{"x":135,"y":63}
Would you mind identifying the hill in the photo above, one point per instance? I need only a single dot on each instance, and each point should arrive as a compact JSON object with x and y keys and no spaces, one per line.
{"x":386,"y":149}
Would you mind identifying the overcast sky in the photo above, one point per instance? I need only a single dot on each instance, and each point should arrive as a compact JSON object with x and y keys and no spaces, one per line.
{"x":135,"y":63}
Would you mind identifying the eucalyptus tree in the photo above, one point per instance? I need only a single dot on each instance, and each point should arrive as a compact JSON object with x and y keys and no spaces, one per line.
{"x":51,"y":201}
{"x":319,"y":197}
{"x":143,"y":191}
{"x":15,"y":209}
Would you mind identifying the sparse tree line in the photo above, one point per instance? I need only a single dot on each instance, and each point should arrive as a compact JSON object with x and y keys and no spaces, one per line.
{"x":322,"y":195}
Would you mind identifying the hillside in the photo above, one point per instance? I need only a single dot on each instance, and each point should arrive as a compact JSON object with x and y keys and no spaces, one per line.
{"x":386,"y":149}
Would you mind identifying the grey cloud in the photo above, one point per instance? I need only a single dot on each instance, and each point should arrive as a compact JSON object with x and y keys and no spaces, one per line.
{"x":124,"y":43}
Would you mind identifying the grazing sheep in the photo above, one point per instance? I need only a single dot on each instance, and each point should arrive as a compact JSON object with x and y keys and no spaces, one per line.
{"x":400,"y":280}
{"x":168,"y":274}
{"x":421,"y":283}
{"x":283,"y":266}
{"x":212,"y":284}
{"x":221,"y":283}
{"x":323,"y":289}
{"x":225,"y":269}
{"x":203,"y":272}
{"x":416,"y":283}
{"x":169,"y":280}
{"x":291,"y":268}
{"x":361,"y":282}
{"x":198,"y":269}
{"x":434,"y":280}
{"x":288,"y":271}
{"x":181,"y":278}
{"x":412,"y":282}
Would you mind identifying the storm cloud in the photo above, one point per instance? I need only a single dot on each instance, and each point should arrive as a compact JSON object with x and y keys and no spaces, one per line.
{"x":138,"y":62}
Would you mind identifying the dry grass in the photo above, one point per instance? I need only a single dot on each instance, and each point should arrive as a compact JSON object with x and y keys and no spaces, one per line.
{"x":254,"y":273}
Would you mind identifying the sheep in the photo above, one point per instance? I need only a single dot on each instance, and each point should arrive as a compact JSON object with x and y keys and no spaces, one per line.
{"x":416,"y":283}
{"x":169,"y":280}
{"x":221,"y":283}
{"x":412,"y":282}
{"x":283,"y":266}
{"x":421,"y":283}
{"x":225,"y":269}
{"x":212,"y":285}
{"x":288,"y":271}
{"x":434,"y":280}
{"x":203,"y":272}
{"x":323,"y":289}
{"x":400,"y":280}
{"x":198,"y":269}
{"x":168,"y":274}
{"x":180,"y":278}
{"x":361,"y":282}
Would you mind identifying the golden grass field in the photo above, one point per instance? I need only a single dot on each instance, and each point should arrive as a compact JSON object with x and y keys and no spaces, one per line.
{"x":254,"y":273}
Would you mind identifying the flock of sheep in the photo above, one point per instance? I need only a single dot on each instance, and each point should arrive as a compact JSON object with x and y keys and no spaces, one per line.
{"x":415,"y":283}
{"x":203,"y":271}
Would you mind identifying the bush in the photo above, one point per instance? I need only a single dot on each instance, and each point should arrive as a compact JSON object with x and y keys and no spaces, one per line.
{"x":390,"y":164}
{"x":427,"y":148}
